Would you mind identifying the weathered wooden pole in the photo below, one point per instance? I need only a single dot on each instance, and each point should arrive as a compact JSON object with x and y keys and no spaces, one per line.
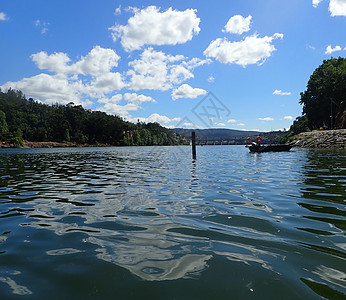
{"x":193,"y":144}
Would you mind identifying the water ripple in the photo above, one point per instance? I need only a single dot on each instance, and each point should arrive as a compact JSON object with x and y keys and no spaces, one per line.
{"x":277,"y":220}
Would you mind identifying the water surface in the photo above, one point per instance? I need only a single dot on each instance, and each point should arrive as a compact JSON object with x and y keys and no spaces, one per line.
{"x":150,"y":223}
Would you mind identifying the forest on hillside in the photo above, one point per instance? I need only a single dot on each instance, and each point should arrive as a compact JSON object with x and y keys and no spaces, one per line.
{"x":26,"y":119}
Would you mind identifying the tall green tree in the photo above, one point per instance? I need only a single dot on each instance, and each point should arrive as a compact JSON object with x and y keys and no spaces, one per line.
{"x":324,"y":100}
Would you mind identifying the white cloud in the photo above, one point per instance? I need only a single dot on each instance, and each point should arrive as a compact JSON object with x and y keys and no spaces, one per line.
{"x":90,"y":77}
{"x":49,"y":88}
{"x":114,"y":99}
{"x":156,"y":70}
{"x":112,"y":106}
{"x":330,"y":50}
{"x":156,"y":118}
{"x":211,"y":78}
{"x":241,"y":124}
{"x":138,"y":99}
{"x":221,"y":124}
{"x":232,"y":121}
{"x":288,"y":118}
{"x":337,"y":8}
{"x":149,"y":26}
{"x":56,"y":62}
{"x":266,"y":119}
{"x":315,"y":3}
{"x":186,"y":91}
{"x":95,"y":76}
{"x":106,"y":83}
{"x":238,"y":24}
{"x":251,"y":50}
{"x":117,"y":11}
{"x":189,"y":125}
{"x":3,"y":16}
{"x":281,"y":93}
{"x":98,"y":61}
{"x":119,"y":110}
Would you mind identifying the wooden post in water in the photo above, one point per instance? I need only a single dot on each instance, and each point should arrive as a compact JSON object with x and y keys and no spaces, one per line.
{"x":193,"y":144}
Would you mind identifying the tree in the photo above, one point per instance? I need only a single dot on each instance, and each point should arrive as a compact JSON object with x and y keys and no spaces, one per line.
{"x":3,"y":124}
{"x":17,"y":138}
{"x":324,"y":100}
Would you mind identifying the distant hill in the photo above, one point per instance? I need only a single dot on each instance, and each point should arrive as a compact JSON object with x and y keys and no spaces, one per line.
{"x":236,"y":137}
{"x":215,"y":133}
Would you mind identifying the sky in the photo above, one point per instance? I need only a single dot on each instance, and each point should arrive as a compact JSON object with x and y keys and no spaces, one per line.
{"x":238,"y":64}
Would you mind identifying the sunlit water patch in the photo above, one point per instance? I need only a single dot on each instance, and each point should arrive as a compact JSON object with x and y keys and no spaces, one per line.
{"x":150,"y":223}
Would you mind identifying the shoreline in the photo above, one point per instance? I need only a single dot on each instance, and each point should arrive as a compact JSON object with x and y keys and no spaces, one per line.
{"x":322,"y":139}
{"x":313,"y":139}
{"x":29,"y":144}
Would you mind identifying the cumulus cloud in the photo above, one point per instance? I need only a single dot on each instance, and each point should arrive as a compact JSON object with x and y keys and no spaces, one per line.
{"x":157,"y":118}
{"x":49,"y":88}
{"x":186,"y":91}
{"x":336,"y":7}
{"x":113,"y":105}
{"x":232,"y":121}
{"x":281,"y":93}
{"x":251,"y":50}
{"x":3,"y":16}
{"x":221,"y":124}
{"x":138,"y":99}
{"x":330,"y":50}
{"x":119,"y":110}
{"x":238,"y":24}
{"x":288,"y":118}
{"x":79,"y":82}
{"x":114,"y":99}
{"x":266,"y":119}
{"x":156,"y":70}
{"x":98,"y":61}
{"x":149,"y":26}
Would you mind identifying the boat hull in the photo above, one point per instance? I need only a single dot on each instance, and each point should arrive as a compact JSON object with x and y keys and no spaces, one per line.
{"x":269,"y":148}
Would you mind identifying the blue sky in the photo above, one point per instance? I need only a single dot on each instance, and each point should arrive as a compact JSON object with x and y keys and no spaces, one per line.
{"x":158,"y":61}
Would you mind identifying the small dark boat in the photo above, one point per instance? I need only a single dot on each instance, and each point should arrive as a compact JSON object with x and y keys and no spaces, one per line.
{"x":258,"y":148}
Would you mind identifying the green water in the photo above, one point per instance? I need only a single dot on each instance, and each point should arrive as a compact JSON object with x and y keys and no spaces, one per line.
{"x":150,"y":223}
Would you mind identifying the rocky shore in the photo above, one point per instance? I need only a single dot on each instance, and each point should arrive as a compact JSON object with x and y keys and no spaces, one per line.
{"x":321,"y":139}
{"x":28,"y":144}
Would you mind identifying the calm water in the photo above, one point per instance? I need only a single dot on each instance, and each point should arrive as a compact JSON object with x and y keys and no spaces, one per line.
{"x":150,"y":223}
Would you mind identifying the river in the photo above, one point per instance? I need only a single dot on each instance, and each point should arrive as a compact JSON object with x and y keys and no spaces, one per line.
{"x":151,"y":223}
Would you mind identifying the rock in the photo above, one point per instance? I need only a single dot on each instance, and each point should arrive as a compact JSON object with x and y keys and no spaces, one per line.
{"x":321,"y":139}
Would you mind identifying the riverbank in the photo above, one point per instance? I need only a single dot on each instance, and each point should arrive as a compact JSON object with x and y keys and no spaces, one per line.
{"x":28,"y":144}
{"x":321,"y":139}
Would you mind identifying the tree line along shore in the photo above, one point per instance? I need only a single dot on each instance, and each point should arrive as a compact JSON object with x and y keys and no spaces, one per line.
{"x":25,"y":122}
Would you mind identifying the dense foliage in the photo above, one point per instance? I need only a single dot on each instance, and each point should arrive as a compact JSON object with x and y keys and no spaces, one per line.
{"x":325,"y":95}
{"x":33,"y":121}
{"x":324,"y":101}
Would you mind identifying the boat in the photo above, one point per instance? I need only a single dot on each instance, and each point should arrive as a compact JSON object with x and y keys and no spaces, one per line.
{"x":258,"y":148}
